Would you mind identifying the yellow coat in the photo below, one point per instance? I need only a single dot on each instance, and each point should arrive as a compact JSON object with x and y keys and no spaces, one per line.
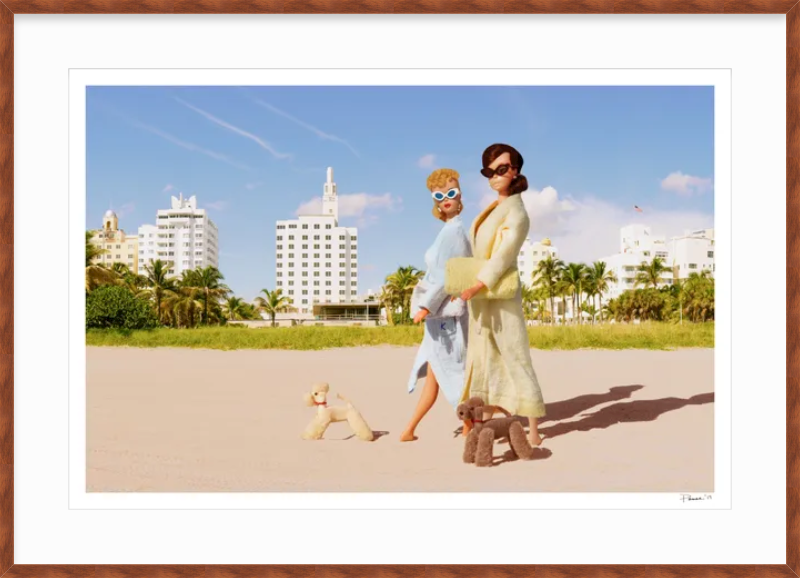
{"x":498,"y":365}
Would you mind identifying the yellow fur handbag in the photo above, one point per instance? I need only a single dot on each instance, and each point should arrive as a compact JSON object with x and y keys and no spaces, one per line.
{"x":462,"y":273}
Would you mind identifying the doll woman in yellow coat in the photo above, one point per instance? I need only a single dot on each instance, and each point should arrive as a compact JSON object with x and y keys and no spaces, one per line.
{"x":498,"y":364}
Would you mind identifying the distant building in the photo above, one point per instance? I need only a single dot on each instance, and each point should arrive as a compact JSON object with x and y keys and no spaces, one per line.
{"x":183,"y":235}
{"x":692,"y":253}
{"x":119,"y":247}
{"x":637,"y":245}
{"x":530,"y":255}
{"x":316,"y":260}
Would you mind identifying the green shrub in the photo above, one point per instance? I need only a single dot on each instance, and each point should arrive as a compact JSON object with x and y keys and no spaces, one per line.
{"x":112,"y":306}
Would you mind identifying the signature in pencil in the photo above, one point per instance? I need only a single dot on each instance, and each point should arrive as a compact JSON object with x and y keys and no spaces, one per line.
{"x":694,"y":498}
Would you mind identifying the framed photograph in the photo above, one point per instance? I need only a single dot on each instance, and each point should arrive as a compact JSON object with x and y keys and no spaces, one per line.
{"x":306,"y":295}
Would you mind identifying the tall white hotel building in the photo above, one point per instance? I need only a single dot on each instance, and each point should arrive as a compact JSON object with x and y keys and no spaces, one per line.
{"x":316,"y":260}
{"x":183,"y":235}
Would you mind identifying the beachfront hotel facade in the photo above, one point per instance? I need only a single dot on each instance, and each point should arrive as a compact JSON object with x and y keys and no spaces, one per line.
{"x":183,"y":235}
{"x":316,"y":260}
{"x":689,"y":253}
{"x":118,"y":246}
{"x":530,"y":255}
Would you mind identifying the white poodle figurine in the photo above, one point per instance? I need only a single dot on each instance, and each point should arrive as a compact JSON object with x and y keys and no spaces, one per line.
{"x":327,"y":415}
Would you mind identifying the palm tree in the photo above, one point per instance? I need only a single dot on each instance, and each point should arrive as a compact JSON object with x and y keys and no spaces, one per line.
{"x":96,"y":274}
{"x":389,"y":302}
{"x":649,"y":274}
{"x":159,"y":284}
{"x":401,"y":284}
{"x":529,"y":299}
{"x":134,"y":282}
{"x":572,"y":284}
{"x":235,"y":309}
{"x":272,"y":302}
{"x":599,"y":277}
{"x":209,"y":280}
{"x":184,"y":306}
{"x":547,"y":276}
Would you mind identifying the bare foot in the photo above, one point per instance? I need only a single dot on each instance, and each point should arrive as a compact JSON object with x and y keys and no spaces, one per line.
{"x":408,"y":437}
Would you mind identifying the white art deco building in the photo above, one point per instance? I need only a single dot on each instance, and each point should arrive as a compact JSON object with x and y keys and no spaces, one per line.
{"x":183,"y":235}
{"x":316,"y":260}
{"x":529,"y":256}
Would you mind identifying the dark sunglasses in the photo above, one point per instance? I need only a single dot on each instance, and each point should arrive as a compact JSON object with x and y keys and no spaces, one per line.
{"x":499,"y":171}
{"x":451,"y":194}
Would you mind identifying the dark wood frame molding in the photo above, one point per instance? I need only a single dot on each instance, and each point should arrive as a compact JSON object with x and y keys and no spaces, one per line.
{"x":10,"y":7}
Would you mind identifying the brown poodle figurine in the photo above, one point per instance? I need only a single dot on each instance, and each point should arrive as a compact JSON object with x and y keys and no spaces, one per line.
{"x":327,"y":415}
{"x":479,"y":446}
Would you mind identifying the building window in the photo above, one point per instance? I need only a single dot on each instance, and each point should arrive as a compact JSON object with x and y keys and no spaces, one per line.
{"x":305,"y":237}
{"x":279,"y":256}
{"x":316,"y":237}
{"x":304,"y":265}
{"x":279,"y":238}
{"x":291,"y":237}
{"x":305,"y":283}
{"x":290,"y":274}
{"x":353,"y":283}
{"x":354,"y":256}
{"x":327,"y":283}
{"x":327,"y":248}
{"x":316,"y":247}
{"x":341,"y":237}
{"x":692,"y":265}
{"x":316,"y":291}
{"x":327,"y":292}
{"x":279,"y":247}
{"x":341,"y":291}
{"x":291,"y":247}
{"x":341,"y":273}
{"x":316,"y":273}
{"x":316,"y":256}
{"x":291,"y":282}
{"x":316,"y":225}
{"x":130,"y":255}
{"x":341,"y":255}
{"x":291,"y":291}
{"x":305,"y":291}
{"x":292,"y":226}
{"x":327,"y":273}
{"x":280,"y":283}
{"x":341,"y":282}
{"x":291,"y":256}
{"x":279,"y":273}
{"x":646,"y":253}
{"x":328,"y":256}
{"x":305,"y":273}
{"x":711,"y":254}
{"x":327,"y":226}
{"x":327,"y":265}
{"x":316,"y":265}
{"x":305,"y":226}
{"x":342,"y":265}
{"x":327,"y":237}
{"x":353,"y":238}
{"x":353,"y":274}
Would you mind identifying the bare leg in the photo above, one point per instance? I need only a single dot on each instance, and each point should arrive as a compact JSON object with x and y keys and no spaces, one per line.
{"x":426,"y":400}
{"x":533,"y":434}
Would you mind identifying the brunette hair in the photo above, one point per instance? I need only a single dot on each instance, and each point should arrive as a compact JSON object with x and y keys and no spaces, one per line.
{"x":439,"y":178}
{"x":519,"y":184}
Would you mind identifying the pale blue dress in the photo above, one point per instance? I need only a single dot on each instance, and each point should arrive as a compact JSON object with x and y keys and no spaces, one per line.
{"x":444,"y":343}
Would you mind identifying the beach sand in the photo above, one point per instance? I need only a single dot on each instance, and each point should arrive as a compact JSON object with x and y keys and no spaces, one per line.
{"x":184,"y":420}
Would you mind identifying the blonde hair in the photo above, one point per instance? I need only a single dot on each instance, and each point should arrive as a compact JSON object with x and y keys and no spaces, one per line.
{"x":438,"y":179}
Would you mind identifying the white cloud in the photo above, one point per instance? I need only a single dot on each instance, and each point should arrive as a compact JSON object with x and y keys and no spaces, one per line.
{"x":217,"y":205}
{"x":167,"y":189}
{"x":686,"y":185}
{"x":125,"y":209}
{"x":427,"y":162}
{"x":362,"y":206}
{"x":587,"y":229}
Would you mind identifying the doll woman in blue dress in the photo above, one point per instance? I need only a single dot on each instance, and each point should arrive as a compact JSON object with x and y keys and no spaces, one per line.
{"x":442,"y":354}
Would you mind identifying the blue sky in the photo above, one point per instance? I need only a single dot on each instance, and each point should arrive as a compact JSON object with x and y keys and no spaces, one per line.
{"x":254,"y":155}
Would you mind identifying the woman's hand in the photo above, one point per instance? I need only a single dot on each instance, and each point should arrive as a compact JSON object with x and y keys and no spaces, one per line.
{"x":468,"y":294}
{"x":423,"y":313}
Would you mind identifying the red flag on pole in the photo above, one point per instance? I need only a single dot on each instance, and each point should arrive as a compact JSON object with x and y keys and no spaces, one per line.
{"x":637,"y":209}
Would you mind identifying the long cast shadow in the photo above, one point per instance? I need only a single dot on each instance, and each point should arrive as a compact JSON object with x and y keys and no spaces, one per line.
{"x":631,"y":411}
{"x":567,"y":408}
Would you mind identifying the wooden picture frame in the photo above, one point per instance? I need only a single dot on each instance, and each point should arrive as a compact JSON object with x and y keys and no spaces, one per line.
{"x":11,"y":7}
